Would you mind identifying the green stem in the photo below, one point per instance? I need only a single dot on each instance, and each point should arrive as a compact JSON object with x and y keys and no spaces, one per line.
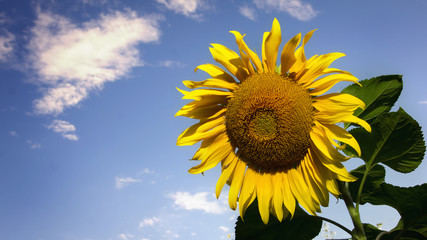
{"x":358,"y":232}
{"x":359,"y":192}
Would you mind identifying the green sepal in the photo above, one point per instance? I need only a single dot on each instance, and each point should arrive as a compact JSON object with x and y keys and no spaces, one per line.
{"x":301,"y":227}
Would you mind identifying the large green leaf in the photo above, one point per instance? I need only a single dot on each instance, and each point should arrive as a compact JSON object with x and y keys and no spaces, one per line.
{"x":373,"y":180}
{"x":411,"y":204}
{"x":301,"y":227}
{"x":396,"y":140}
{"x":378,"y":93}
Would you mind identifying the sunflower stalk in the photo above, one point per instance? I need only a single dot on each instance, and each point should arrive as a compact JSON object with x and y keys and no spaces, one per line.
{"x":358,"y":232}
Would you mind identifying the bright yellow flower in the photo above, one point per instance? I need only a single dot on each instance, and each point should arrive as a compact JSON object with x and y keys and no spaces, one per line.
{"x":272,"y":127}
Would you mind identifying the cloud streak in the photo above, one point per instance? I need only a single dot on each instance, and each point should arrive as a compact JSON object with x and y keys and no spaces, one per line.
{"x":248,"y":12}
{"x":296,"y":8}
{"x":187,"y":8}
{"x":73,"y":60}
{"x":6,"y":40}
{"x":123,"y":182}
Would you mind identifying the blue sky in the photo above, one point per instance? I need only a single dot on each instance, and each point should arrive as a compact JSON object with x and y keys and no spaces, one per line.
{"x":87,"y":98}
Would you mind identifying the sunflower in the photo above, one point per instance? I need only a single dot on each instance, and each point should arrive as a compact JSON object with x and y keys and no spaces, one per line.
{"x":272,"y":127}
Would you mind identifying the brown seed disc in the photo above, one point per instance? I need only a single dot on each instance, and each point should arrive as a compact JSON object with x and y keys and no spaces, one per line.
{"x":269,"y":119}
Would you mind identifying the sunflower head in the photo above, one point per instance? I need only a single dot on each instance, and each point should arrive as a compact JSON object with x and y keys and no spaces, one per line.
{"x":273,"y":128}
{"x":269,"y":119}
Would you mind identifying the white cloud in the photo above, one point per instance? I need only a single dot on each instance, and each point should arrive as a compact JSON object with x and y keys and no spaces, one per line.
{"x":296,"y":8}
{"x":34,"y":145}
{"x":422,"y":102}
{"x":198,"y":201}
{"x":65,"y":128}
{"x":13,"y":134}
{"x":224,"y":229}
{"x":125,"y":236}
{"x":148,"y":222}
{"x":73,"y":60}
{"x":187,"y":8}
{"x":122,"y":182}
{"x":248,"y":12}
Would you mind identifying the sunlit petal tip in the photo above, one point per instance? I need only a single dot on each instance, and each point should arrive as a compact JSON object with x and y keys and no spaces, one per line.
{"x":182,"y":91}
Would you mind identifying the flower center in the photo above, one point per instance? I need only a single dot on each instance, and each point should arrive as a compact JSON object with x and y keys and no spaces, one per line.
{"x":269,"y":119}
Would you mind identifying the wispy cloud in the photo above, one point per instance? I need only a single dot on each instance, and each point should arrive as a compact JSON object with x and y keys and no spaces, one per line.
{"x":248,"y":12}
{"x":125,"y":236}
{"x":188,"y":8}
{"x":198,"y":201}
{"x":65,"y":128}
{"x":13,"y":133}
{"x":34,"y":145}
{"x":123,"y":182}
{"x":73,"y":60}
{"x":146,"y":171}
{"x":148,"y":222}
{"x":224,"y":229}
{"x":422,"y":102}
{"x":296,"y":8}
{"x":6,"y":40}
{"x":170,"y":64}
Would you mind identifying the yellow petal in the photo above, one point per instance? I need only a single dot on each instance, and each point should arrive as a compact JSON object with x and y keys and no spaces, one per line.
{"x":247,"y":194}
{"x":213,"y":83}
{"x":236,"y":183}
{"x":288,"y":54}
{"x":230,"y":60}
{"x":252,"y":55}
{"x":318,"y":66}
{"x":199,"y":93}
{"x":339,"y":134}
{"x":318,"y":191}
{"x":206,"y":112}
{"x":288,"y":197}
{"x":338,"y":102}
{"x":300,"y":63}
{"x":322,"y":85}
{"x":335,"y":70}
{"x":264,"y":194}
{"x":300,"y":190}
{"x":226,"y":172}
{"x":216,"y":72}
{"x":278,"y":195}
{"x":217,"y":152}
{"x":319,"y":139}
{"x":333,"y":165}
{"x":272,"y":43}
{"x":203,"y":102}
{"x":200,"y":131}
{"x":264,"y":59}
{"x":327,"y":117}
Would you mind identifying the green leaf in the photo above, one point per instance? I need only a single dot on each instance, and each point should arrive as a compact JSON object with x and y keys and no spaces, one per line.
{"x":373,"y":180}
{"x":378,"y":93}
{"x":411,"y":204}
{"x":396,"y":140}
{"x":302,"y":226}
